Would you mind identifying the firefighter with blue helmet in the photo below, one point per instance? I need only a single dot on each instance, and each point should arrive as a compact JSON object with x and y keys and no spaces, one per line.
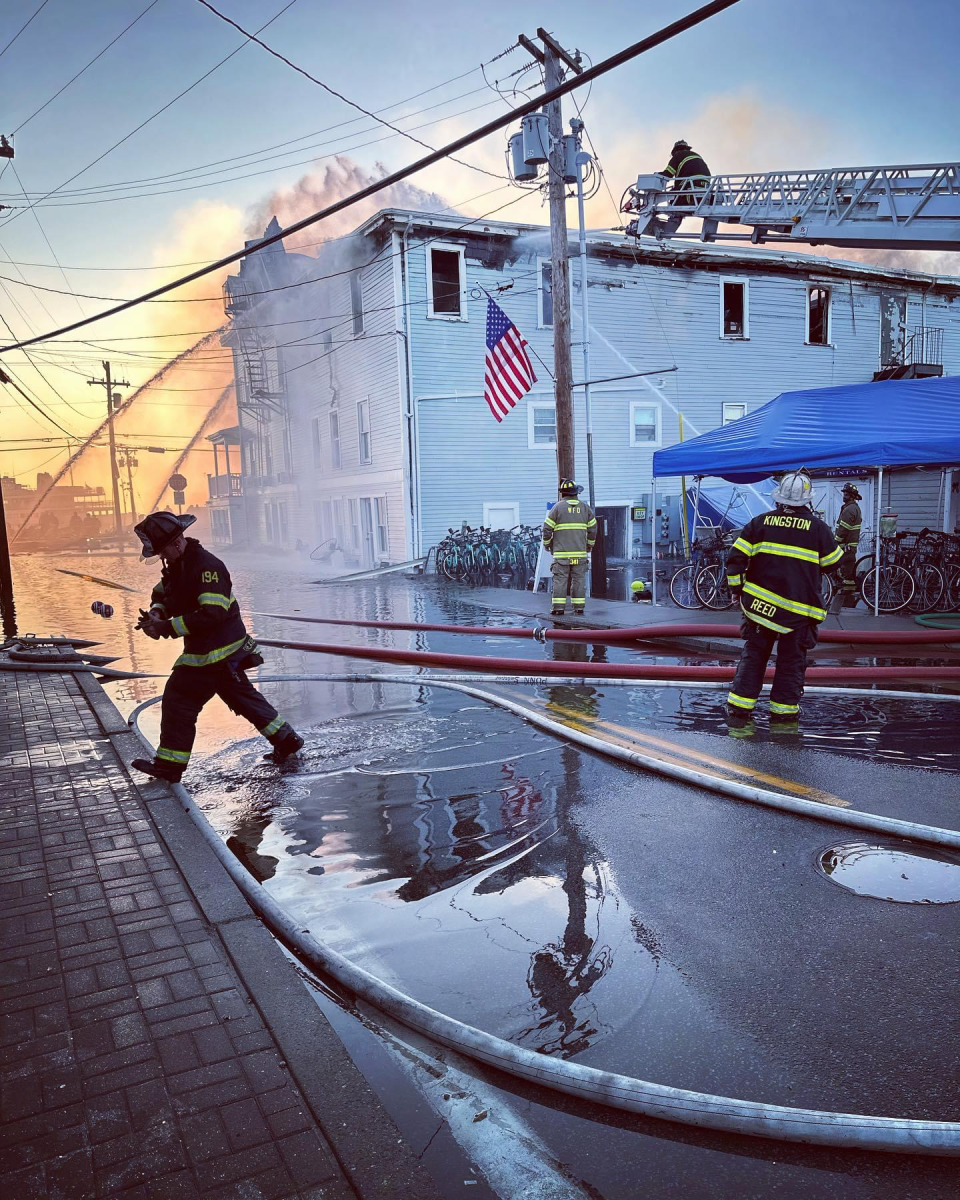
{"x":569,"y":531}
{"x":775,"y":570}
{"x":194,"y":601}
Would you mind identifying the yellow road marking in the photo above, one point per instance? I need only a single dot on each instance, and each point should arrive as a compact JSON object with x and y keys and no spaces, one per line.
{"x":692,"y":757}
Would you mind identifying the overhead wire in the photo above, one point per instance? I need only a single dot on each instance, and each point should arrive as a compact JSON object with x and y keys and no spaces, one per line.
{"x":28,"y":21}
{"x":154,"y":115}
{"x":333,"y":91}
{"x":74,"y":78}
{"x":615,"y":60}
{"x":192,"y":187}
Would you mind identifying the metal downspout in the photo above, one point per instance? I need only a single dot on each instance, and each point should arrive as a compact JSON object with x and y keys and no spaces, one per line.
{"x":413,"y":441}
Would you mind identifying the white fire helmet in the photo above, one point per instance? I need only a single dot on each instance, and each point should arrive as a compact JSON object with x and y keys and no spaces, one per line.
{"x":795,"y":490}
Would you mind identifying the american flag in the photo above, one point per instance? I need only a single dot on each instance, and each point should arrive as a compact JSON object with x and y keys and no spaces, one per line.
{"x":509,"y":375}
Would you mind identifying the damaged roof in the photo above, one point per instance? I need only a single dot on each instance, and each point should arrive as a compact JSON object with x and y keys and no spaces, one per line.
{"x":670,"y":253}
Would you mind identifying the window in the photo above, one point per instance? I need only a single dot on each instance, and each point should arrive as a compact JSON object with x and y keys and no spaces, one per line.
{"x":354,"y":523}
{"x":818,"y":316}
{"x":287,"y":452}
{"x":338,"y":522}
{"x":501,"y":514}
{"x":445,"y":282}
{"x":356,"y":302}
{"x":735,"y":311}
{"x":316,"y":442}
{"x":545,"y":293}
{"x":383,"y":534}
{"x":335,"y":440}
{"x":644,"y":424}
{"x":542,"y":426}
{"x":733,"y":412}
{"x":363,"y":430}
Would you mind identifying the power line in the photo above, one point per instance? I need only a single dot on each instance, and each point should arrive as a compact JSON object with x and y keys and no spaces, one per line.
{"x":498,"y":123}
{"x":262,"y":154}
{"x":333,"y":92}
{"x":23,"y":27}
{"x":7,"y":377}
{"x":153,"y":116}
{"x":193,"y":187}
{"x":39,"y":110}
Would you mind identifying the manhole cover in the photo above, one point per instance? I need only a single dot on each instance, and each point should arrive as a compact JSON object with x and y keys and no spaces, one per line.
{"x":912,"y":876}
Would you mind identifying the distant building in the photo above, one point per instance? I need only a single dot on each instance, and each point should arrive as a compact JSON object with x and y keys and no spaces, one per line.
{"x":359,"y":375}
{"x":68,"y":512}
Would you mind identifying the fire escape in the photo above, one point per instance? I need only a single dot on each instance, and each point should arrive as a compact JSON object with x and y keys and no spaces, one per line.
{"x":919,"y":356}
{"x":261,"y":394}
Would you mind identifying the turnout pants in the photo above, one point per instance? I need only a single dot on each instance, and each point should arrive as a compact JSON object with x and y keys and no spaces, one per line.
{"x":791,"y":667}
{"x":847,"y":571}
{"x":190,"y":688}
{"x":570,"y":582}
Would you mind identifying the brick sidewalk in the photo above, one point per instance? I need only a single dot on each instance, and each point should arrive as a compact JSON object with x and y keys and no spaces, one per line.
{"x":135,"y":1062}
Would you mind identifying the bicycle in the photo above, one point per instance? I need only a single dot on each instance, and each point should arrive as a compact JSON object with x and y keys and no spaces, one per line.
{"x":896,"y":584}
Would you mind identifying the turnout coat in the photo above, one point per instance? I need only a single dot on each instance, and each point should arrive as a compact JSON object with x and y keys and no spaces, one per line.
{"x":776,"y":566}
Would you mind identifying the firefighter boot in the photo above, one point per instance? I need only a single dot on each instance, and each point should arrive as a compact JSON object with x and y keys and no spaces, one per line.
{"x":288,"y":743}
{"x":160,"y":769}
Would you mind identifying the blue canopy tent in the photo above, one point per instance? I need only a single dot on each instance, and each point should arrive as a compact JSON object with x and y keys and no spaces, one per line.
{"x":897,"y":423}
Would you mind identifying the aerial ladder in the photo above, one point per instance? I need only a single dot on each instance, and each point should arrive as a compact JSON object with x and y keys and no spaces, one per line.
{"x":913,"y":207}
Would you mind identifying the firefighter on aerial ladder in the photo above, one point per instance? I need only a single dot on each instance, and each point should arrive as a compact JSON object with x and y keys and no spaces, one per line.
{"x":194,"y":601}
{"x":684,"y":164}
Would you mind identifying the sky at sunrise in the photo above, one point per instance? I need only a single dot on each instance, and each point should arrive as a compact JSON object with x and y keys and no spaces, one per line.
{"x":769,"y":84}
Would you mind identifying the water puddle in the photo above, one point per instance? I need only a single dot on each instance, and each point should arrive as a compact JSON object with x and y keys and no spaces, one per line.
{"x":887,"y":872}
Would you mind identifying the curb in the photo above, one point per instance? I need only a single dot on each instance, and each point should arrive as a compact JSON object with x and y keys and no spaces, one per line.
{"x":370,"y":1149}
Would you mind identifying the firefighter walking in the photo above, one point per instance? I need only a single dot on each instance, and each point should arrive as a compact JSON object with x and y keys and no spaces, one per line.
{"x":569,"y":531}
{"x":775,"y":572}
{"x":848,"y":538}
{"x":194,"y":600}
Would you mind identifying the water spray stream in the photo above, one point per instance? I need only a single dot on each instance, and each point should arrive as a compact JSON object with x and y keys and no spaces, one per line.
{"x":208,"y":421}
{"x":119,"y":411}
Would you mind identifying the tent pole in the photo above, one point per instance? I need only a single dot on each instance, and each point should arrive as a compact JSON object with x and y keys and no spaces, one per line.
{"x":876,"y":557}
{"x":653,"y":539}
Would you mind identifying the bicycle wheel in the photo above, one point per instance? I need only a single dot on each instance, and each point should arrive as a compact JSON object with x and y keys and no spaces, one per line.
{"x":453,"y":566}
{"x":896,"y":587}
{"x":711,"y":588}
{"x":827,"y":590}
{"x":929,"y":587}
{"x":683,"y":591}
{"x":951,"y":587}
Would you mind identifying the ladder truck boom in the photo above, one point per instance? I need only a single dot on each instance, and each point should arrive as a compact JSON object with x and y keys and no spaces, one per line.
{"x":912,"y":207}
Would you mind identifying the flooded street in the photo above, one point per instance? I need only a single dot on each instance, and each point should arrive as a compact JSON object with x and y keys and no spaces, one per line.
{"x":574,"y":905}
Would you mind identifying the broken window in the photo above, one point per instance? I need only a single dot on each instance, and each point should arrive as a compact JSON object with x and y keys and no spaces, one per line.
{"x":446,"y":281}
{"x":818,"y":316}
{"x":356,"y":303}
{"x":734,"y":308}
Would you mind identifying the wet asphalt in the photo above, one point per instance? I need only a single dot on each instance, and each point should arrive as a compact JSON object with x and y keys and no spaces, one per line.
{"x":591,"y":910}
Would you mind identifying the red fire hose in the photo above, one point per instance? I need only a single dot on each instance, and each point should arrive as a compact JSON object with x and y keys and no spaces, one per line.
{"x":540,"y":667}
{"x":642,"y":633}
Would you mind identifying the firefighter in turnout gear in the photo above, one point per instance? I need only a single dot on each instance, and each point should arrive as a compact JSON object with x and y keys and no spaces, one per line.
{"x":848,"y":536}
{"x":569,"y":531}
{"x":775,"y":571}
{"x":684,"y":164}
{"x":194,"y":600}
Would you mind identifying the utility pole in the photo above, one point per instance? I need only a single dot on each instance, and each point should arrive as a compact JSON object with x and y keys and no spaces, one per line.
{"x":113,"y":402}
{"x":552,"y":55}
{"x":128,"y":459}
{"x":8,"y":616}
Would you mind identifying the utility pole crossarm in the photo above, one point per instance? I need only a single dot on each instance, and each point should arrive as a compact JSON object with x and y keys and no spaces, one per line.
{"x":572,"y":60}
